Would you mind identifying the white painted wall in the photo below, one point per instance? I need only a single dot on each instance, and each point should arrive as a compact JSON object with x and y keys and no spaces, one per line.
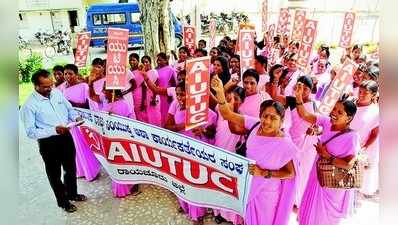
{"x":40,"y":21}
{"x":48,"y":4}
{"x":36,"y":16}
{"x":35,"y":22}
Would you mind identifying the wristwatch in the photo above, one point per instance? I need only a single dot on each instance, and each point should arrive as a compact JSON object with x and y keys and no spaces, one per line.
{"x":269,"y":174}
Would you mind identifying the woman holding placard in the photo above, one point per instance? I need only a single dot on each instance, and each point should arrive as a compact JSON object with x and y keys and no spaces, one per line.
{"x":176,"y":122}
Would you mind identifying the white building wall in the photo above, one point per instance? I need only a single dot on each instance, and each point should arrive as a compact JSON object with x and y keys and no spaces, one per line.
{"x":35,"y":22}
{"x":36,"y":15}
{"x":24,"y":5}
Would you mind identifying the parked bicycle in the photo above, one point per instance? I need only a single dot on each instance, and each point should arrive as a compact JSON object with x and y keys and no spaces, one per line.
{"x":25,"y":51}
{"x":58,"y":44}
{"x":225,"y":23}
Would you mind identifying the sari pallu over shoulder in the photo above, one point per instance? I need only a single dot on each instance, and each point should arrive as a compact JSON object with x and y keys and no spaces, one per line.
{"x":271,"y":153}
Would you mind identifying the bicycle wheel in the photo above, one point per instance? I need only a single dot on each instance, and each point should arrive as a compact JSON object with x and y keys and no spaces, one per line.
{"x":50,"y":51}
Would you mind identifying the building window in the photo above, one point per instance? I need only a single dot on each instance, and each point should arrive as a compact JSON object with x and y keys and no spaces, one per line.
{"x":97,"y":19}
{"x":135,"y":17}
{"x":114,"y":18}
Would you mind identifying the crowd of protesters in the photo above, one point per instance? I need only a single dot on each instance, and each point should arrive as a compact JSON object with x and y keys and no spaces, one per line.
{"x":275,"y":102}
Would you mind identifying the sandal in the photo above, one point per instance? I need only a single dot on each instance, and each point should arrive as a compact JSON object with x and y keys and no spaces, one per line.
{"x":219,"y":219}
{"x":135,"y":193}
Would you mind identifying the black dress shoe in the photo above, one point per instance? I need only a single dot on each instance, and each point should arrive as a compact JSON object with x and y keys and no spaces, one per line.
{"x":78,"y":198}
{"x":69,"y":207}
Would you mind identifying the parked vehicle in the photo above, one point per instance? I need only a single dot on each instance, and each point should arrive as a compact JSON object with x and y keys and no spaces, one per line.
{"x":121,"y":15}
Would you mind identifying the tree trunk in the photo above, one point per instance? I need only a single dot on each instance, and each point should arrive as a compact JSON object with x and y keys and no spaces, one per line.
{"x":158,"y":29}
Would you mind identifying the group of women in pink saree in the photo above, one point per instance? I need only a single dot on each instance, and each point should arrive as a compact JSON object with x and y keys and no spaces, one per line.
{"x":276,"y":100}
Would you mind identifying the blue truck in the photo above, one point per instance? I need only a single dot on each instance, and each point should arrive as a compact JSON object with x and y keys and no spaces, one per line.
{"x":121,"y":15}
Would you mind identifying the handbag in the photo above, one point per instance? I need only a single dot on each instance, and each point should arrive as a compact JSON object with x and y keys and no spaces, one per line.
{"x":331,"y":176}
{"x":240,"y":147}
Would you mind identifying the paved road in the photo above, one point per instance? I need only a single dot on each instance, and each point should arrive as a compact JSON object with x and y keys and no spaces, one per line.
{"x":154,"y":206}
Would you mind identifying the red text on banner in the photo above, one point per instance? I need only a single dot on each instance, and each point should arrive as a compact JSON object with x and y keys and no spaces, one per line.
{"x":340,"y":82}
{"x":283,"y":21}
{"x":212,"y":29}
{"x":346,"y":32}
{"x":298,"y":25}
{"x":190,"y":38}
{"x":264,"y":13}
{"x":246,"y":45}
{"x":307,"y":43}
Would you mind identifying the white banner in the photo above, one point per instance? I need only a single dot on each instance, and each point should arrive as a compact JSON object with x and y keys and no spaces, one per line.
{"x":134,"y":152}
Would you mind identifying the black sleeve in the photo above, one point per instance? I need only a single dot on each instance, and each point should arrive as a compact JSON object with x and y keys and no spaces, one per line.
{"x":260,"y":44}
{"x":291,"y":102}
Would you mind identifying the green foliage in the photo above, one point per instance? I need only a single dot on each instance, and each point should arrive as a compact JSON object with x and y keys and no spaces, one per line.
{"x":85,"y":71}
{"x":318,"y":44}
{"x":333,"y":46}
{"x":28,"y":66}
{"x":370,"y":47}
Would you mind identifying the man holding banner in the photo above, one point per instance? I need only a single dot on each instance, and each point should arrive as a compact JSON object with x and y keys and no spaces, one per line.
{"x":47,"y":117}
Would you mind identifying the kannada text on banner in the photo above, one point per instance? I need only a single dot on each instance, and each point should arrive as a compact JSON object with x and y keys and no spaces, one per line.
{"x":135,"y":152}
